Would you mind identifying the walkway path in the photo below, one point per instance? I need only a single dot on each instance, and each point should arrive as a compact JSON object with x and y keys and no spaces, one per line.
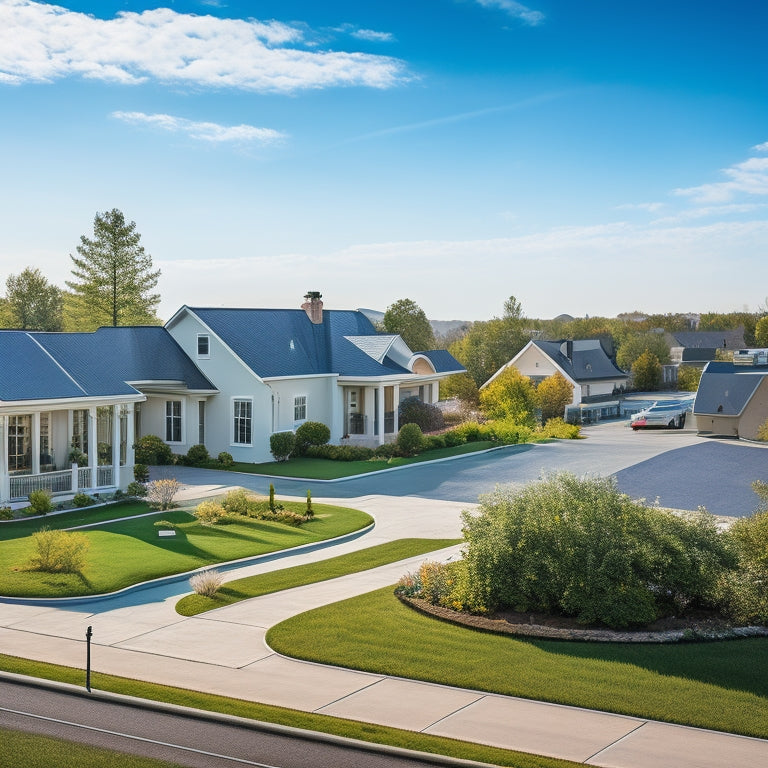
{"x":223,"y":652}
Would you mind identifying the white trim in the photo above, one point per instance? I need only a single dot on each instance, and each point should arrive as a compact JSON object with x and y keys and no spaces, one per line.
{"x":232,"y":400}
{"x":12,"y":407}
{"x":541,"y":352}
{"x":305,"y":406}
{"x":302,"y":376}
{"x":421,"y":356}
{"x":182,"y":420}
{"x":206,"y":355}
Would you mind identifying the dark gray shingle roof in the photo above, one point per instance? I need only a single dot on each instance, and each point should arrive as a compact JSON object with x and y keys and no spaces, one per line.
{"x":725,"y":388}
{"x":588,"y":363}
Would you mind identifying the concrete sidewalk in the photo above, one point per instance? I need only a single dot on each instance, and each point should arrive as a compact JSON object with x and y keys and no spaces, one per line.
{"x":223,"y":652}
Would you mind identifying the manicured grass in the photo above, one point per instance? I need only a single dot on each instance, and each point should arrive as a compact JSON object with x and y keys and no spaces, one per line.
{"x":325,"y":469}
{"x":718,"y":685}
{"x":288,"y":578}
{"x":131,"y":551}
{"x":25,"y":750}
{"x":266,"y":713}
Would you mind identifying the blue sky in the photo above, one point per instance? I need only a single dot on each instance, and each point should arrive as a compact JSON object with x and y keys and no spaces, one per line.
{"x":588,"y":157}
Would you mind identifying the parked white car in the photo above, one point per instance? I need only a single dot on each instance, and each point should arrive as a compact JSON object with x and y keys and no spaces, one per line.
{"x":669,"y":415}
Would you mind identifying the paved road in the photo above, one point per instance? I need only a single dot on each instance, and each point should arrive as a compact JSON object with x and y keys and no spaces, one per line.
{"x":681,"y":469}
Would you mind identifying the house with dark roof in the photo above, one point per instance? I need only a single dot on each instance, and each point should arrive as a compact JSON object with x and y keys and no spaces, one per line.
{"x":584,"y":363}
{"x":224,"y":378}
{"x":732,"y":399}
{"x":699,"y":347}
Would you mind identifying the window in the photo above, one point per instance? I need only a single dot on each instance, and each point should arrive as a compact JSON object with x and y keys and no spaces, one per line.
{"x":173,"y":421}
{"x":203,"y":345}
{"x":19,"y":443}
{"x":201,"y":422}
{"x":300,"y":408}
{"x":243,"y":417}
{"x":80,"y":430}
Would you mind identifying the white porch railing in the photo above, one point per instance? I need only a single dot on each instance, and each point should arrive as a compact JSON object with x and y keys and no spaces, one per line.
{"x":63,"y":481}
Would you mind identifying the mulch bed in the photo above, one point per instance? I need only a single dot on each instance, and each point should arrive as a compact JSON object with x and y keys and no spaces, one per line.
{"x":698,"y":626}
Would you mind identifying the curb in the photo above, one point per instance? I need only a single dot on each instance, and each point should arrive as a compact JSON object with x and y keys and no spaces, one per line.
{"x":256,"y":725}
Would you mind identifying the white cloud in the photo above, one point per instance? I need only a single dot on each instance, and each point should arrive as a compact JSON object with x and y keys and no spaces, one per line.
{"x":42,"y":43}
{"x":649,"y":207}
{"x":373,"y":36}
{"x":712,"y":211}
{"x":747,"y":178}
{"x":762,"y":147}
{"x":516,"y":10}
{"x":204,"y":131}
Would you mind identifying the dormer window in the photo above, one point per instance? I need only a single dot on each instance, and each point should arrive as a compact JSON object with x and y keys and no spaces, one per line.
{"x":203,"y":345}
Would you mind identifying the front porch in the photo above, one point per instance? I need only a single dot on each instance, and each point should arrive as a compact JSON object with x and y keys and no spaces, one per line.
{"x":65,"y":450}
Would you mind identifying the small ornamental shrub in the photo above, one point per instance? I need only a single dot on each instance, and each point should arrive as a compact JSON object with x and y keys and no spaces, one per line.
{"x":762,"y":432}
{"x":281,"y":444}
{"x":236,"y":502}
{"x":385,"y":451}
{"x":160,"y":493}
{"x":410,"y":440}
{"x":310,"y":511}
{"x":429,"y":417}
{"x":225,"y":459}
{"x":59,"y":551}
{"x":209,"y":512}
{"x":6,"y":513}
{"x":272,"y":497}
{"x":40,"y":502}
{"x":141,"y":473}
{"x":197,"y":454}
{"x":207,"y":582}
{"x":558,"y":428}
{"x":82,"y":500}
{"x":165,"y":525}
{"x":76,"y":456}
{"x":150,"y":449}
{"x":309,"y":434}
{"x":136,"y":489}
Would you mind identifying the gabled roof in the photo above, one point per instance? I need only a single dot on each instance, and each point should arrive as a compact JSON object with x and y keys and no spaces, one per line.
{"x":279,"y":343}
{"x":37,"y":365}
{"x":732,"y":339}
{"x":443,"y":361}
{"x":725,"y":388}
{"x":588,"y":361}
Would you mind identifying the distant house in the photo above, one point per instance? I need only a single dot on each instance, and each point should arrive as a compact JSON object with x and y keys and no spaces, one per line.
{"x":584,"y":363}
{"x":223,"y":378}
{"x":732,"y":399}
{"x":699,"y":347}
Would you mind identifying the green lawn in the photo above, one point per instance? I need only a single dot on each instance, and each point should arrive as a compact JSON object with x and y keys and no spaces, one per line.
{"x":25,"y":750}
{"x":351,"y":729}
{"x":131,"y":551}
{"x":311,"y":573}
{"x":718,"y":685}
{"x":325,"y":469}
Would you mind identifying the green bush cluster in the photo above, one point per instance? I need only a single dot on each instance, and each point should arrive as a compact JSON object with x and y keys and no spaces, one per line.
{"x":579,"y":547}
{"x":413,"y":410}
{"x":40,"y":502}
{"x":150,"y":449}
{"x":141,"y":473}
{"x":225,"y":459}
{"x":197,"y":455}
{"x":281,"y":445}
{"x":310,"y":433}
{"x":58,"y":551}
{"x":560,"y":429}
{"x":242,"y":503}
{"x":340,"y":452}
{"x":6,"y":513}
{"x":136,"y":489}
{"x":82,"y":500}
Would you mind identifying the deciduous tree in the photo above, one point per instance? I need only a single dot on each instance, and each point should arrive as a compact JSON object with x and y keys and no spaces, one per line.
{"x":554,"y":393}
{"x":408,"y":319}
{"x":510,"y":396}
{"x":113,"y":277}
{"x":31,"y":302}
{"x":646,"y":371}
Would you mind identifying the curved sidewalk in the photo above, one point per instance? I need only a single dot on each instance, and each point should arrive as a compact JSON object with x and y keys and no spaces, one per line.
{"x":223,"y":652}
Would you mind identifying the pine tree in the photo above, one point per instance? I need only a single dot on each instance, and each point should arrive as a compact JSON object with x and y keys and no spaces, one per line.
{"x":114,"y":277}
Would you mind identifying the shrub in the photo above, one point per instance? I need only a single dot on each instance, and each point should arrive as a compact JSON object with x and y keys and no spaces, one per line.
{"x":310,"y":511}
{"x":558,"y":428}
{"x":281,"y":444}
{"x":209,"y":512}
{"x":207,"y":582}
{"x":236,"y":502}
{"x":507,"y":432}
{"x":688,"y":378}
{"x":580,"y":547}
{"x":197,"y":454}
{"x":82,"y":500}
{"x":762,"y":431}
{"x":6,"y":513}
{"x":150,"y":449}
{"x":136,"y":489}
{"x":311,"y":433}
{"x":40,"y":502}
{"x":59,"y":551}
{"x":340,"y":452}
{"x":141,"y":473}
{"x":454,"y":438}
{"x":160,"y":493}
{"x":434,"y":442}
{"x":166,"y":524}
{"x":76,"y":456}
{"x":429,"y":417}
{"x":385,"y":451}
{"x":410,"y":439}
{"x":468,"y":432}
{"x":272,"y":505}
{"x":225,"y":459}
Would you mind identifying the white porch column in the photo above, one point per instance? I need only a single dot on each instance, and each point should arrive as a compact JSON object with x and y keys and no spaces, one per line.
{"x":380,"y":424}
{"x":369,"y":409}
{"x":35,"y":443}
{"x":93,"y":445}
{"x":396,"y":401}
{"x":130,"y":437}
{"x":5,"y":483}
{"x":116,"y":446}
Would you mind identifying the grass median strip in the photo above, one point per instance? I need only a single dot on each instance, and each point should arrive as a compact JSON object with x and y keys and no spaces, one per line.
{"x":350,"y":729}
{"x":300,"y":575}
{"x":718,"y":685}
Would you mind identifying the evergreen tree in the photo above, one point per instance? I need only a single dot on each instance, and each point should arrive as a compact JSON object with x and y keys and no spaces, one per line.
{"x":114,"y":277}
{"x":31,"y":302}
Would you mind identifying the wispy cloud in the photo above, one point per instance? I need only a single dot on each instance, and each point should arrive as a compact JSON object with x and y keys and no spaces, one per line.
{"x":712,"y":212}
{"x":203,"y":131}
{"x":516,"y":10}
{"x":649,"y":207}
{"x":746,"y":178}
{"x":43,"y":43}
{"x":373,"y":36}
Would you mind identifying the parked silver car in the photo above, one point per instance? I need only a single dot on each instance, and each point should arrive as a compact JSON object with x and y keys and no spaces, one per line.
{"x":669,"y":415}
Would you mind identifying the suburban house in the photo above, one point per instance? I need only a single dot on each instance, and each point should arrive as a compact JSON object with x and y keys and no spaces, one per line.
{"x":584,"y":363}
{"x":732,"y":399}
{"x":224,"y":378}
{"x":699,"y":347}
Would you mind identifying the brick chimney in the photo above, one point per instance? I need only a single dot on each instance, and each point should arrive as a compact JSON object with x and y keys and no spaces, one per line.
{"x":313,"y":306}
